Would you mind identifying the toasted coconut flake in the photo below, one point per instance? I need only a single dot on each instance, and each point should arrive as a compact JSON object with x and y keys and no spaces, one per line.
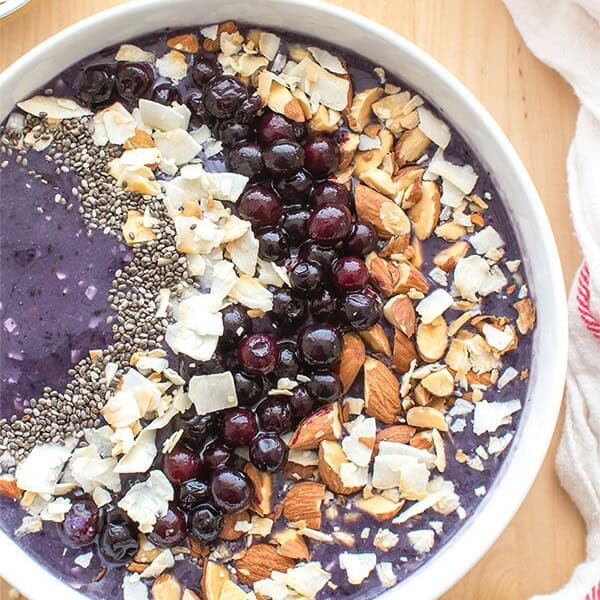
{"x":434,"y":305}
{"x":131,"y":53}
{"x":526,"y":315}
{"x":489,"y":416}
{"x":357,"y":566}
{"x":268,"y":44}
{"x":447,"y":258}
{"x":211,"y":393}
{"x":433,"y":127}
{"x":186,"y":42}
{"x":172,"y":65}
{"x":421,"y":540}
{"x":53,"y":107}
{"x":159,"y":116}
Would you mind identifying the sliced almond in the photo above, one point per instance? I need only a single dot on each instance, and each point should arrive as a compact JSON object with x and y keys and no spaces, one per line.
{"x":447,"y":258}
{"x":166,"y":587}
{"x":282,"y":101}
{"x":259,"y":562}
{"x":527,"y":315}
{"x":291,"y":544}
{"x":372,"y":159}
{"x":439,"y":383}
{"x":385,"y":215}
{"x":417,"y":250}
{"x":426,"y":417}
{"x":382,"y":392}
{"x":377,"y":340}
{"x":263,"y":490}
{"x":323,"y":424}
{"x":411,"y":146}
{"x":303,"y":503}
{"x":186,"y":42}
{"x":400,"y":313}
{"x":432,"y":339}
{"x":401,"y":434}
{"x":331,"y":459}
{"x":347,"y":146}
{"x":229,"y":532}
{"x":9,"y":488}
{"x":360,"y":114}
{"x":426,"y":212}
{"x":351,"y":361}
{"x":214,"y":577}
{"x":404,"y":352}
{"x":379,"y":507}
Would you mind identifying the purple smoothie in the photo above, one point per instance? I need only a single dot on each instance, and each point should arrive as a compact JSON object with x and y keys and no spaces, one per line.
{"x":54,"y":282}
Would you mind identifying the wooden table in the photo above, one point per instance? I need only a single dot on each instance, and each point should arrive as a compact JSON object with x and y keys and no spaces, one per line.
{"x":477,"y":41}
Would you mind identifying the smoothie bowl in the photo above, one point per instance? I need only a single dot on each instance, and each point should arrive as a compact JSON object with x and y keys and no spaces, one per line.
{"x":282,"y":315}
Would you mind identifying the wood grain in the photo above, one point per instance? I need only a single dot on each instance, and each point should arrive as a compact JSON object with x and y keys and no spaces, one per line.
{"x":477,"y":41}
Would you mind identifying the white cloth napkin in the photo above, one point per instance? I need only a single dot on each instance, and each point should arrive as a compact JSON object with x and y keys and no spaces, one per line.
{"x":565,"y":34}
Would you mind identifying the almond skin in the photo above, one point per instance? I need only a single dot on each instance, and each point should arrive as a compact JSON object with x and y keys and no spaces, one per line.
{"x":426,"y":212}
{"x":303,"y":503}
{"x":351,"y":361}
{"x":259,"y":561}
{"x":384,"y":214}
{"x":331,"y":458}
{"x":8,"y":487}
{"x":382,"y":392}
{"x":323,"y":424}
{"x":384,"y":274}
{"x":396,"y":433}
{"x":404,"y":352}
{"x":400,"y":313}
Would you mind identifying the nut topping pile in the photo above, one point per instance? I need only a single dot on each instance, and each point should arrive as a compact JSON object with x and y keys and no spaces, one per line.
{"x":329,"y":325}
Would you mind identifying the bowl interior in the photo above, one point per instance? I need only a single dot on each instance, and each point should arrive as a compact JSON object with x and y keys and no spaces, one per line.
{"x":459,"y":107}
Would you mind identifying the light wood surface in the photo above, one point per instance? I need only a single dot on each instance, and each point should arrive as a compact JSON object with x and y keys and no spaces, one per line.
{"x":477,"y":41}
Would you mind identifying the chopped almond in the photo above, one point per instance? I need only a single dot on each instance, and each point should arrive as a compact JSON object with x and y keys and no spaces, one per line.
{"x":347,"y":146}
{"x":360,"y":114}
{"x":259,"y":562}
{"x":379,"y":507}
{"x":384,"y":214}
{"x":432,"y":339}
{"x":377,"y":340}
{"x":426,"y":417}
{"x":400,"y":313}
{"x":404,"y":352}
{"x":166,"y":587}
{"x":229,"y":532}
{"x":411,"y":146}
{"x":214,"y":577}
{"x":439,"y":383}
{"x":426,"y":212}
{"x":526,"y":319}
{"x":351,"y":361}
{"x":263,"y":490}
{"x":401,"y":434}
{"x":447,"y":258}
{"x":323,"y":424}
{"x":331,"y":459}
{"x":382,"y":392}
{"x":303,"y":503}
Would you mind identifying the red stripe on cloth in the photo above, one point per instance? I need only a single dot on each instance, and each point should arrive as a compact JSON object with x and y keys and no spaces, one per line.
{"x":582,"y":298}
{"x":594,"y":593}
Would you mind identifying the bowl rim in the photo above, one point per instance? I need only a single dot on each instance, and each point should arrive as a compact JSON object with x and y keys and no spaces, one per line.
{"x":445,"y":568}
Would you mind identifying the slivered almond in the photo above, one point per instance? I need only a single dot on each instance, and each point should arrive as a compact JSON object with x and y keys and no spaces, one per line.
{"x":404,"y":352}
{"x":432,"y":339}
{"x":291,"y":544}
{"x":229,"y":532}
{"x":360,"y":115}
{"x":303,"y":503}
{"x":377,"y":340}
{"x":411,"y":146}
{"x":371,"y":159}
{"x":186,"y":42}
{"x":379,"y":507}
{"x":8,"y":487}
{"x":214,"y":577}
{"x":259,"y":562}
{"x":351,"y":361}
{"x":323,"y":424}
{"x":396,"y":433}
{"x":166,"y":587}
{"x":400,"y":312}
{"x":347,"y":147}
{"x":331,"y":459}
{"x":439,"y":383}
{"x":382,"y":392}
{"x":426,"y":212}
{"x":385,"y":215}
{"x":426,"y":417}
{"x":526,"y":315}
{"x":447,"y":258}
{"x":263,"y":490}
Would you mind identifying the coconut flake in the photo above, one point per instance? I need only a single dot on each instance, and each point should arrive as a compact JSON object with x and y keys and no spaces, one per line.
{"x":487,"y":240}
{"x":40,"y":470}
{"x":141,"y":455}
{"x":434,"y":305}
{"x":53,"y":108}
{"x":131,"y":53}
{"x":244,"y":252}
{"x":433,"y":127}
{"x":176,"y":145}
{"x":462,"y":176}
{"x":327,"y":60}
{"x":172,"y":65}
{"x":488,"y":416}
{"x":211,"y":393}
{"x":357,"y":566}
{"x":252,"y":294}
{"x":268,"y":44}
{"x":421,"y":540}
{"x":159,"y":116}
{"x":134,"y":588}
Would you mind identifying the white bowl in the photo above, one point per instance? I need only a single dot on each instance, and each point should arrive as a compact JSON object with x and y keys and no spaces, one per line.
{"x":400,"y":57}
